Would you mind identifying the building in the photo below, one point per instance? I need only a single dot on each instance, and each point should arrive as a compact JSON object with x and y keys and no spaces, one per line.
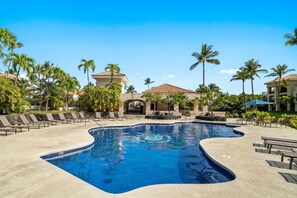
{"x":135,"y":104}
{"x":290,"y":89}
{"x":104,"y":78}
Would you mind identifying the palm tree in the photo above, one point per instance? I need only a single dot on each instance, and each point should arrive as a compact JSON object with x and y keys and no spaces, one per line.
{"x":243,"y":76}
{"x":279,"y":71}
{"x":206,"y":55}
{"x":87,"y":64}
{"x":292,"y":39}
{"x":20,"y":62}
{"x":130,"y":89}
{"x":147,"y":82}
{"x":4,"y":37}
{"x":253,"y":67}
{"x":70,"y":84}
{"x":112,"y":68}
{"x":13,"y":44}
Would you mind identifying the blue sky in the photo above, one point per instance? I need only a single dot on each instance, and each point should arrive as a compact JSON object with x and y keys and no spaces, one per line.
{"x":156,"y":38}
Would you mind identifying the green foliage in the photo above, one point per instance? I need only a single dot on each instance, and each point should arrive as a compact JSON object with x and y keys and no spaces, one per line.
{"x":293,"y":122}
{"x":101,"y":98}
{"x":11,"y":99}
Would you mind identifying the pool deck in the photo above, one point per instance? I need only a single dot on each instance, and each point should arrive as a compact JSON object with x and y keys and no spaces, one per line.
{"x":24,"y":174}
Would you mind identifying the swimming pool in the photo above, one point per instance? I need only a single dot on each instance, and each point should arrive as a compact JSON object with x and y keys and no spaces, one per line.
{"x":125,"y":158}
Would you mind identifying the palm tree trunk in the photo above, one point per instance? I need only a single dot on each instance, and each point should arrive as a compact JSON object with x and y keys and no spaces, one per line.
{"x":9,"y":65}
{"x":88,"y":76}
{"x":203,"y":73}
{"x":66,"y":103}
{"x":17,"y":75}
{"x":252,"y":84}
{"x":243,"y":91}
{"x":46,"y":105}
{"x":148,"y":86}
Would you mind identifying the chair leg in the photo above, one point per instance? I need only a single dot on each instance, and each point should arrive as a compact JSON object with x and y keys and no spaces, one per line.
{"x":291,"y":162}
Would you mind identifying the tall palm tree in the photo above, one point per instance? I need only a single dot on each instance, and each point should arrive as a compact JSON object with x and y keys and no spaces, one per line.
{"x":206,"y":55}
{"x":253,"y":67}
{"x":87,"y":64}
{"x":147,"y":82}
{"x":12,"y":44}
{"x":112,"y":68}
{"x":243,"y":76}
{"x":292,"y":39}
{"x":20,"y":62}
{"x":279,"y":71}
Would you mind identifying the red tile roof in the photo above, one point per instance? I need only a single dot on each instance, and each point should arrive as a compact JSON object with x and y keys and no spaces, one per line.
{"x":167,"y":88}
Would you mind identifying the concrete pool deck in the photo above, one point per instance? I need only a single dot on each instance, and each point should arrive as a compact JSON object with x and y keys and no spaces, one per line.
{"x":24,"y":174}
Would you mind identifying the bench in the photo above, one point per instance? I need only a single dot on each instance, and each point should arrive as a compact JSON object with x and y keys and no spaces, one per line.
{"x":271,"y":143}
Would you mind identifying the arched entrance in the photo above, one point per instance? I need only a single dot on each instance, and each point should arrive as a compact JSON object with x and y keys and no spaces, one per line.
{"x":134,"y":107}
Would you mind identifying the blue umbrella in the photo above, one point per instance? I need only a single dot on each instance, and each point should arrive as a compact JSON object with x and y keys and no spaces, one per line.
{"x":257,"y":102}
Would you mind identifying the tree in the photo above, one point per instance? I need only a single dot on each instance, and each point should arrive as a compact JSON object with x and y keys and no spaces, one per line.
{"x":152,"y":98}
{"x":130,"y":89}
{"x":5,"y":35}
{"x":206,"y":55}
{"x":112,"y":68}
{"x":291,"y":39}
{"x":87,"y":64}
{"x":11,"y":99}
{"x":147,"y":82}
{"x":175,"y":99}
{"x":12,"y":44}
{"x":241,"y":75}
{"x":253,"y":67}
{"x":20,"y":62}
{"x":279,"y":71}
{"x":208,"y":94}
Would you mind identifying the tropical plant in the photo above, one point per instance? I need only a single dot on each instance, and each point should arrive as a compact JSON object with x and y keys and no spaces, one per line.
{"x":291,"y":39}
{"x":5,"y":36}
{"x":11,"y":99}
{"x":253,"y":67}
{"x":20,"y":62}
{"x":131,"y":89}
{"x":12,"y":44}
{"x":147,"y":82}
{"x":175,"y":99}
{"x":206,"y":55}
{"x":115,"y":89}
{"x":112,"y":68}
{"x":153,"y":98}
{"x":87,"y":64}
{"x":242,"y":75}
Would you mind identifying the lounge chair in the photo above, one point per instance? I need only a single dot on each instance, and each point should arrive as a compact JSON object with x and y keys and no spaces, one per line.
{"x":6,"y":124}
{"x":248,"y":119}
{"x":274,"y":121}
{"x":121,"y":116}
{"x":260,"y":120}
{"x":34,"y":119}
{"x":286,"y":121}
{"x":6,"y":129}
{"x":291,"y":155}
{"x":75,"y":118}
{"x":112,"y":116}
{"x":50,"y":118}
{"x":271,"y":143}
{"x":62,"y":117}
{"x":82,"y":116}
{"x":27,"y":123}
{"x":264,"y":138}
{"x":97,"y":116}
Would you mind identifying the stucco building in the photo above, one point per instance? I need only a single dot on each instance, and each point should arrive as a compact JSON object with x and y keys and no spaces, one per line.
{"x":134,"y":103}
{"x":290,"y":89}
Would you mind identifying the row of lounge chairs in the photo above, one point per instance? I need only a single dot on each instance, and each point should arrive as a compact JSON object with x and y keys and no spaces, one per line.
{"x":261,"y":120}
{"x":272,"y":142}
{"x":35,"y":123}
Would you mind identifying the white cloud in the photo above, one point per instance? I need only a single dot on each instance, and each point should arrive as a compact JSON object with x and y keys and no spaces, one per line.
{"x":168,"y":76}
{"x":228,"y":71}
{"x":141,"y":77}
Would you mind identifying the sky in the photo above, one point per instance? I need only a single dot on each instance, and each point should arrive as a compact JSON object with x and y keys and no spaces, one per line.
{"x":154,"y":38}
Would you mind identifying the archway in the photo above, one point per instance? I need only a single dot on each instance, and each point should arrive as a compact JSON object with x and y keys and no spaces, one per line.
{"x":134,"y":107}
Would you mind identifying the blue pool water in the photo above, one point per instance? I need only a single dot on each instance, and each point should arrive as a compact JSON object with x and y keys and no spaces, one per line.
{"x":126,"y":158}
